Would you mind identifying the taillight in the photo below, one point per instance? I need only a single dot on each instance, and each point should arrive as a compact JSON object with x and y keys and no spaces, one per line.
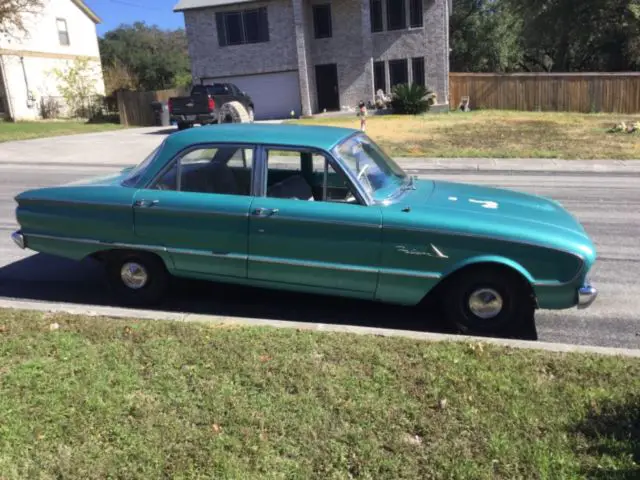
{"x":212,"y":105}
{"x":170,"y":105}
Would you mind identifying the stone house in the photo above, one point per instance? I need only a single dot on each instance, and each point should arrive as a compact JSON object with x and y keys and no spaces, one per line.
{"x":308,"y":56}
{"x":59,"y":34}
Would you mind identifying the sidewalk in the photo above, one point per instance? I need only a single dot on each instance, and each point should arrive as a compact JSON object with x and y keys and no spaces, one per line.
{"x":129,"y":147}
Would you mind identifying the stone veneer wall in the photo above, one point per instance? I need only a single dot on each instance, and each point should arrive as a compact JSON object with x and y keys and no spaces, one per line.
{"x":353,"y":47}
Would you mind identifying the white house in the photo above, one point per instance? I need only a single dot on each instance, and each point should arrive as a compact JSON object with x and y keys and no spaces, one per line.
{"x":62,"y":32}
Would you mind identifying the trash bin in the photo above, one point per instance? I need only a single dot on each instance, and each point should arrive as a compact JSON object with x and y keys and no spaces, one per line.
{"x":161,"y":115}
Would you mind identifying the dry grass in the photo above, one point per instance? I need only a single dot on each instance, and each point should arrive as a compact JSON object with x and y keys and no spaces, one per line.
{"x":499,"y":134}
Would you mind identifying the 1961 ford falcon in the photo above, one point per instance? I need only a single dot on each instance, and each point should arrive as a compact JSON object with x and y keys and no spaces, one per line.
{"x":315,"y":209}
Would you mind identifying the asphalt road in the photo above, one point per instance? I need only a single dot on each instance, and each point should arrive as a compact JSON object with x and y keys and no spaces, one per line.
{"x":608,"y":206}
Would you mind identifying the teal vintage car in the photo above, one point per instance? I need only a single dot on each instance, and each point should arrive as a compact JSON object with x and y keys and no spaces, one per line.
{"x":315,"y":209}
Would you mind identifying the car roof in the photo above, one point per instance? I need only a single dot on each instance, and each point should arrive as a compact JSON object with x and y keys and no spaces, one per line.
{"x":314,"y":136}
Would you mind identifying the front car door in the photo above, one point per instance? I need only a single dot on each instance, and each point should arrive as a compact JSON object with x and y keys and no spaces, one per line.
{"x":306,"y":229}
{"x":197,"y":209}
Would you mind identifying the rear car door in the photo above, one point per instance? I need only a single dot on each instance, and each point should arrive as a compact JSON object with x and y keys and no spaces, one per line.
{"x":298,"y":235}
{"x":197,"y":209}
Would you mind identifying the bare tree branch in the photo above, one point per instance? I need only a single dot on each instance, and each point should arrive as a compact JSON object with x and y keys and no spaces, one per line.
{"x":13,"y":14}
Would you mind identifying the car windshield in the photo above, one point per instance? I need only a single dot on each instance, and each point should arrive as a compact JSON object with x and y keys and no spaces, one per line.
{"x":136,"y":172}
{"x":379,"y":175}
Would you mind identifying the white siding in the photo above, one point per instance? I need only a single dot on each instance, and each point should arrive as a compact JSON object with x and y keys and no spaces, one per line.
{"x":39,"y":49}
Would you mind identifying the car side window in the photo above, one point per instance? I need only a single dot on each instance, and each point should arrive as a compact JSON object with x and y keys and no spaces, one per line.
{"x":303,"y":175}
{"x":334,"y":187}
{"x":218,"y":170}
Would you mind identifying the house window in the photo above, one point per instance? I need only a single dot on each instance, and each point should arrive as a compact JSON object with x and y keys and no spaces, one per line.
{"x":375,"y":7}
{"x":417,"y":65}
{"x":240,"y":27}
{"x":322,"y":21}
{"x":415,"y":13}
{"x":63,"y":33}
{"x":398,"y":71}
{"x":379,"y":77}
{"x":396,"y":18}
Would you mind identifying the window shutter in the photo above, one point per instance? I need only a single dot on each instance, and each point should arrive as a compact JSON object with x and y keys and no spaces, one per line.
{"x":222,"y":37}
{"x":263,"y":25}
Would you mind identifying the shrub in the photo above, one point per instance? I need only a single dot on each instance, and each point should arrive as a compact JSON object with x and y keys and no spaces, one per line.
{"x":410,"y":99}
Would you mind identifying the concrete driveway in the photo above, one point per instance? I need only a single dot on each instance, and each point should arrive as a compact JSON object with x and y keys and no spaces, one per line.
{"x":126,"y":147}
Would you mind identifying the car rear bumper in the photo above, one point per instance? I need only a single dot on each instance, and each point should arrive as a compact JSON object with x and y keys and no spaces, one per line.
{"x":18,"y":239}
{"x":195,"y":118}
{"x":586,"y":295}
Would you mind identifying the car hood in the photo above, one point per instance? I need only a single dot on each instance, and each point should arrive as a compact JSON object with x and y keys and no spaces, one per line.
{"x":498,"y":213}
{"x":490,"y":203}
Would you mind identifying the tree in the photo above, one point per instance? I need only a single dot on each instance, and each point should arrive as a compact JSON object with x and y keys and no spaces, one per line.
{"x":77,"y":84}
{"x":14,"y":15}
{"x":156,"y":58}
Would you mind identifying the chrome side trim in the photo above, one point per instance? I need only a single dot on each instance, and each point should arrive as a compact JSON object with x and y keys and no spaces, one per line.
{"x":205,"y":253}
{"x":312,"y":264}
{"x":483,"y":237}
{"x":200,"y":212}
{"x":90,"y":241}
{"x":26,"y":201}
{"x":343,"y":267}
{"x":409,"y":273}
{"x":323,"y":222}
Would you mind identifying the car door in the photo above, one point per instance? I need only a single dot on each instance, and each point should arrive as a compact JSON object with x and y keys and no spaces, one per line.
{"x":197,"y":209}
{"x":315,"y":243}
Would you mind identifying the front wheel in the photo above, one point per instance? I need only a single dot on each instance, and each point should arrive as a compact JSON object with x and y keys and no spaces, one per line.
{"x":489,"y":301}
{"x":137,"y":278}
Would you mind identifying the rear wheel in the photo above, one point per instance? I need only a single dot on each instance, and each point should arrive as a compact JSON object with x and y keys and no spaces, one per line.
{"x":489,"y":301}
{"x":137,"y":278}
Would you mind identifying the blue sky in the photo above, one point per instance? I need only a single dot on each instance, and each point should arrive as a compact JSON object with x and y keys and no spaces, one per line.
{"x":115,"y":12}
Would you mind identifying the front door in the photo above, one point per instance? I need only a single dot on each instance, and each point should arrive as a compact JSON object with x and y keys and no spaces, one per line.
{"x":198,"y":210}
{"x":299,"y":235}
{"x":327,"y":87}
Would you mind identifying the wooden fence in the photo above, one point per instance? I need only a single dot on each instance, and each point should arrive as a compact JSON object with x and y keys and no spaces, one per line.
{"x":135,"y":107}
{"x":566,"y":92}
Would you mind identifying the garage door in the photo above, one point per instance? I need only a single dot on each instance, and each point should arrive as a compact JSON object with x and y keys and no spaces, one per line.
{"x":274,"y":94}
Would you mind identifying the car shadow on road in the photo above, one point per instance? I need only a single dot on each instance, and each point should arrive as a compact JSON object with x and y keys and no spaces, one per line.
{"x":42,"y":277}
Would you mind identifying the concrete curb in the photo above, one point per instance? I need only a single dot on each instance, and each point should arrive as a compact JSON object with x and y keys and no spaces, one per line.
{"x":115,"y":312}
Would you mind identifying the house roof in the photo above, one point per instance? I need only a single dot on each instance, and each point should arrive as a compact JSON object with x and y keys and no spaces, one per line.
{"x":192,"y":4}
{"x":87,"y":11}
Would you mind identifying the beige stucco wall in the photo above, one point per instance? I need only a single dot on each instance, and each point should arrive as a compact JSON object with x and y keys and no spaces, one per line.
{"x":41,"y":52}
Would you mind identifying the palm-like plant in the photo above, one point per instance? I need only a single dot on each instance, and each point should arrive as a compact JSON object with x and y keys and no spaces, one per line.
{"x":411,"y":99}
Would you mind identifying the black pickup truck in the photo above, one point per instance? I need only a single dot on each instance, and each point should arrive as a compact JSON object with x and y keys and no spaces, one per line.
{"x":214,"y":103}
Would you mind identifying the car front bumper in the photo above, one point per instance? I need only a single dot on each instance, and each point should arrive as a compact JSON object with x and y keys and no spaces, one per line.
{"x":586,"y":295}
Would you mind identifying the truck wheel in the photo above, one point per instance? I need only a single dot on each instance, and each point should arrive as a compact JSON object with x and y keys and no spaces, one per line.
{"x":183,"y":126}
{"x":233,"y":112}
{"x":251,"y":115}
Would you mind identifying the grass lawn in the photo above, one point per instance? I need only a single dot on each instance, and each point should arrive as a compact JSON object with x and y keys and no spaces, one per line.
{"x":499,"y":134}
{"x":26,"y":130}
{"x":103,"y":398}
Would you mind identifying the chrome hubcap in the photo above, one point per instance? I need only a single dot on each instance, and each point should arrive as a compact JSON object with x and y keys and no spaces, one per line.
{"x":485,"y":303}
{"x":134,"y":275}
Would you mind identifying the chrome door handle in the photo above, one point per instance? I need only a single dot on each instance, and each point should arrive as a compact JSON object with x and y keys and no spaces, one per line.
{"x":265,"y":212}
{"x":146,"y":203}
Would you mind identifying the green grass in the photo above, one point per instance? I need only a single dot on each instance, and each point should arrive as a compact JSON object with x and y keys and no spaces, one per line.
{"x":27,"y":130}
{"x":102,"y":398}
{"x":498,"y":134}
